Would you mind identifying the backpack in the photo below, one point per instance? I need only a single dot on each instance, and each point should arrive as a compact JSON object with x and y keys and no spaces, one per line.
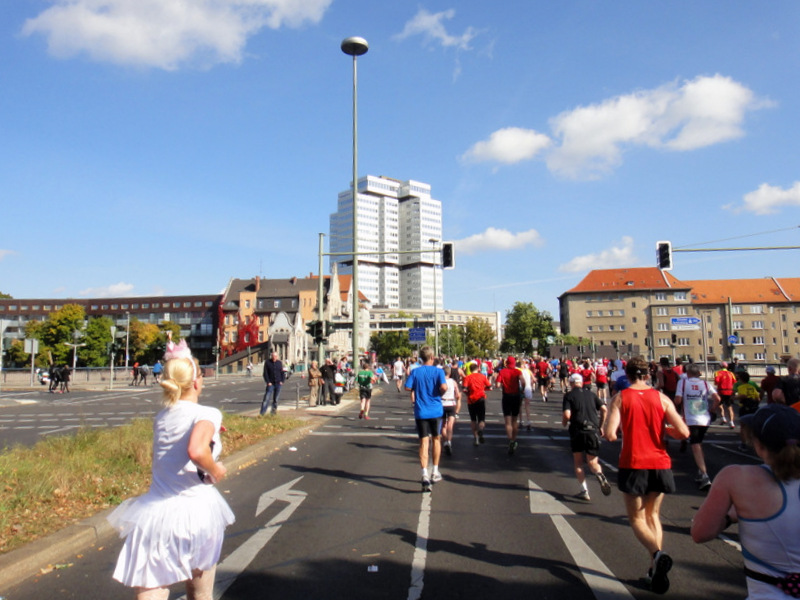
{"x":670,"y":380}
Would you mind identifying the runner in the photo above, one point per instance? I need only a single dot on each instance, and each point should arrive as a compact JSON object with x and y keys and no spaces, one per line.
{"x":427,"y":384}
{"x":585,"y":414}
{"x":398,"y":370}
{"x":511,"y":382}
{"x":451,"y":401}
{"x":601,"y":380}
{"x":365,"y":379}
{"x":475,"y":386}
{"x":644,"y":466}
{"x":724,"y":381}
{"x":543,"y":371}
{"x":527,"y":393}
{"x":692,"y":397}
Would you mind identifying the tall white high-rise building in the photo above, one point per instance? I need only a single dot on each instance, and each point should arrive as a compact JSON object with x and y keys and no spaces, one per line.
{"x":394,"y":217}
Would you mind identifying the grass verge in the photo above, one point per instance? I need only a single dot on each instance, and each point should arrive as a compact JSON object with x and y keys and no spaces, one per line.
{"x":63,"y":480}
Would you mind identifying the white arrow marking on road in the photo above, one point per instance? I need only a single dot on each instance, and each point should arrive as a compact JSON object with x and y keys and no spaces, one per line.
{"x":598,"y":576}
{"x":238,"y":560}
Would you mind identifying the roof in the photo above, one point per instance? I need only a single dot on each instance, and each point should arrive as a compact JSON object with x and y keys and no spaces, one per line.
{"x":642,"y":278}
{"x":744,"y":291}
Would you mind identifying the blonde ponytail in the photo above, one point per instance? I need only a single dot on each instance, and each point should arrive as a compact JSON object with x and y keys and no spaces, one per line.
{"x":179,"y":375}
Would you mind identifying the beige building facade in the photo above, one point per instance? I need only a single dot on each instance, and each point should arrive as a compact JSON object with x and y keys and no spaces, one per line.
{"x":756,"y":321}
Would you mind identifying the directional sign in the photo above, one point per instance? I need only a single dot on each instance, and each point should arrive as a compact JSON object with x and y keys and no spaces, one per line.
{"x":732,"y":339}
{"x":684,"y":323}
{"x":416,"y":335}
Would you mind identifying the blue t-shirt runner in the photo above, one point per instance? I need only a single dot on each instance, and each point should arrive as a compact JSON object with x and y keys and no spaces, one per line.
{"x":424,"y":381}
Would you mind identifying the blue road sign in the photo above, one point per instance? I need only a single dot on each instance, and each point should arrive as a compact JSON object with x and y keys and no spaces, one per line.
{"x":416,"y":335}
{"x":732,"y":339}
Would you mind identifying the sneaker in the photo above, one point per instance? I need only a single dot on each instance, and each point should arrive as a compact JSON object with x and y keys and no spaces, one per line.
{"x":659,"y":582}
{"x":448,"y":449}
{"x":705,"y":482}
{"x":480,"y":437}
{"x":366,"y":417}
{"x":436,"y":477}
{"x":583,"y":495}
{"x":733,"y":426}
{"x":361,"y":415}
{"x":512,"y":447}
{"x":605,"y":487}
{"x":426,"y":484}
{"x":528,"y":426}
{"x":699,"y":477}
{"x":477,"y":443}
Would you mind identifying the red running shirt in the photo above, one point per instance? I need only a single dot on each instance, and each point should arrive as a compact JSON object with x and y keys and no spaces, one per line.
{"x":642,"y":421}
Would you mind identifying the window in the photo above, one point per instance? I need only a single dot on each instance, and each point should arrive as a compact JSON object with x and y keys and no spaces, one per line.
{"x":759,"y":339}
{"x":588,"y":313}
{"x":247,"y":303}
{"x":680,"y":296}
{"x":737,"y":325}
{"x":661,"y":296}
{"x":662,"y":311}
{"x":681,"y":310}
{"x":759,"y":356}
{"x":663,"y":341}
{"x":758,"y":325}
{"x":756,"y":309}
{"x":736,"y":310}
{"x":683,"y":341}
{"x":663,"y":327}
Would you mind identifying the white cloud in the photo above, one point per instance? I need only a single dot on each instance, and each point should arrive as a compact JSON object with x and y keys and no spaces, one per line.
{"x":110,"y":291}
{"x":4,"y":253}
{"x":430,"y":26}
{"x":508,"y":146}
{"x":589,"y":141}
{"x":611,"y":258}
{"x":164,"y":33}
{"x":498,"y":239}
{"x":768,"y":198}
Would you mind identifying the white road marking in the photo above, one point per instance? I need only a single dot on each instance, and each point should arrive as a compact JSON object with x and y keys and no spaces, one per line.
{"x":420,"y":549}
{"x":599,"y":578}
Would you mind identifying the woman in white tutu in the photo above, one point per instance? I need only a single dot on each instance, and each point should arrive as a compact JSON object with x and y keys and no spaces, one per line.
{"x":174,"y":532}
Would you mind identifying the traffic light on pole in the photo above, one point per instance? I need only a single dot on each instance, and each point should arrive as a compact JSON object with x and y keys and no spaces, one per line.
{"x":664,"y":255}
{"x":448,"y":255}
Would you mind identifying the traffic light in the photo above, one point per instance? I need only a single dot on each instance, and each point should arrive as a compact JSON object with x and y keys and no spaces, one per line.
{"x":314,"y":329}
{"x":448,"y":255}
{"x":664,"y":255}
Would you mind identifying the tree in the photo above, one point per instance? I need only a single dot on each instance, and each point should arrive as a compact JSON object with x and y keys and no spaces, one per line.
{"x":143,"y":336}
{"x":6,"y":296}
{"x":16,"y":355}
{"x":97,"y":339}
{"x":451,"y":340}
{"x":388,"y":345}
{"x":525,"y":323}
{"x":57,"y":331}
{"x":481,"y":339}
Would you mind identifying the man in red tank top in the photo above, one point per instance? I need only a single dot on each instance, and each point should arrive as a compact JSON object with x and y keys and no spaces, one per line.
{"x":644,"y":465}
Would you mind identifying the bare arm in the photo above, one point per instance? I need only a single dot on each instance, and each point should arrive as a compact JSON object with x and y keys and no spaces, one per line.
{"x":712,"y":516}
{"x":679,"y":431}
{"x":612,"y":422}
{"x":565,"y":417}
{"x":199,"y":450}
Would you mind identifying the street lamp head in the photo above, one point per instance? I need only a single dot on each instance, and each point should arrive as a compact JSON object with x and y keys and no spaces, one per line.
{"x":355,"y":46}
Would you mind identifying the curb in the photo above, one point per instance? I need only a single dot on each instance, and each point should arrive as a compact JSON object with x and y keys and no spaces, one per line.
{"x":25,"y":562}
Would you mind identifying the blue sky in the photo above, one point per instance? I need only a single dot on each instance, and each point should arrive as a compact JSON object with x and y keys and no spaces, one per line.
{"x":164,"y":146}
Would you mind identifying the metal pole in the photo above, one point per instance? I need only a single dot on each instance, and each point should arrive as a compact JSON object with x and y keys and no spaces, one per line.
{"x":113,"y":341}
{"x":2,"y":333}
{"x":355,"y":46}
{"x":321,"y":302}
{"x":127,"y":339}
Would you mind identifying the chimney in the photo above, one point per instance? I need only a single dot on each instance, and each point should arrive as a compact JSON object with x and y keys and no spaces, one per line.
{"x":293,"y":281}
{"x":258,"y":283}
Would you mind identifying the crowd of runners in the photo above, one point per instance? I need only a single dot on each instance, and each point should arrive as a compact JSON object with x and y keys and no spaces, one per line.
{"x":645,"y":404}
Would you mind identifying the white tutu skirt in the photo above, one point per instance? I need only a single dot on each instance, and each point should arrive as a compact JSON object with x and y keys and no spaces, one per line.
{"x":166,"y":537}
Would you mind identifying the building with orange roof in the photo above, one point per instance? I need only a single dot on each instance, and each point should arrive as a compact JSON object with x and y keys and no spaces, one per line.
{"x":650,"y":312}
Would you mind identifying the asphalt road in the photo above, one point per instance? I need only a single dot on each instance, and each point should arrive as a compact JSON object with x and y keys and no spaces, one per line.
{"x":26,"y":416}
{"x":338,"y":513}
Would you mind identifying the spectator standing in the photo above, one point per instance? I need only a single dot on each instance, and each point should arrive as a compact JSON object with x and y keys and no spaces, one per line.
{"x":787,"y":390}
{"x":273,"y":377}
{"x":144,"y":371}
{"x":769,"y":383}
{"x":328,"y":390}
{"x":314,"y":383}
{"x":645,"y":473}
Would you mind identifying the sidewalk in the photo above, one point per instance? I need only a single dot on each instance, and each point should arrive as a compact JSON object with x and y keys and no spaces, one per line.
{"x":22,"y":563}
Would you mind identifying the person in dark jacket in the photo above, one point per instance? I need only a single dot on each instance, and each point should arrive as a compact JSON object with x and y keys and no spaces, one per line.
{"x":273,"y":376}
{"x":327,"y":394}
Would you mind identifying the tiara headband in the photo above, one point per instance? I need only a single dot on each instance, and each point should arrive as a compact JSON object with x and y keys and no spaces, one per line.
{"x":181,"y":350}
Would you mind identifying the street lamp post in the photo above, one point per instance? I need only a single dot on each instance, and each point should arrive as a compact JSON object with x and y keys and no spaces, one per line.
{"x":127,"y":337}
{"x":75,"y":335}
{"x":113,"y":341}
{"x":355,"y":46}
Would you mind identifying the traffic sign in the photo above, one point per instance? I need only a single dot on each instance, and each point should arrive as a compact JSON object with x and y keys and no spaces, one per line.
{"x":732,"y":339}
{"x":684,"y":323}
{"x":416,"y":335}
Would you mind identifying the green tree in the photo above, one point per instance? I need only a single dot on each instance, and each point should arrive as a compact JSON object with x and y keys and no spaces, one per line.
{"x":97,"y":339}
{"x":481,"y":339}
{"x":451,"y":340}
{"x":6,"y":296}
{"x":57,"y":331}
{"x":388,"y":345}
{"x":525,"y":323}
{"x":142,"y":337}
{"x":16,"y":355}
